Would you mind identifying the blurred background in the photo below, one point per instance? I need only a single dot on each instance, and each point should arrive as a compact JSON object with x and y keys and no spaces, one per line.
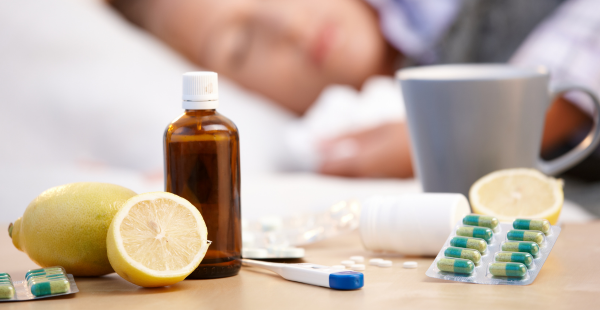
{"x":87,"y":88}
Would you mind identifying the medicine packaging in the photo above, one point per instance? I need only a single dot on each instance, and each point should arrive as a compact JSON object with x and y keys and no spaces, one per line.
{"x":484,"y":251}
{"x":38,"y":283}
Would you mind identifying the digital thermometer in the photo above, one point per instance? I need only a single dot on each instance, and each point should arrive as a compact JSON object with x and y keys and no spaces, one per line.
{"x":313,"y":274}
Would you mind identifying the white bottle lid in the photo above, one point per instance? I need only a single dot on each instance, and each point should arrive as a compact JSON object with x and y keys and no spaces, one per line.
{"x":200,"y":90}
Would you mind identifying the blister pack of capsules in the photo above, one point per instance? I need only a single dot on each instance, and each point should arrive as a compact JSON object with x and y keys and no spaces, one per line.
{"x":484,"y":251}
{"x":38,"y":283}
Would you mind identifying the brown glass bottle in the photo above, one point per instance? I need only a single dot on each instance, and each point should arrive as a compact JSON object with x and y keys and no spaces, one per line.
{"x":202,"y":165}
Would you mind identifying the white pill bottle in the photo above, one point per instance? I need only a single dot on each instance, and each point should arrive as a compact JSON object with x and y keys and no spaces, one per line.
{"x":411,"y":224}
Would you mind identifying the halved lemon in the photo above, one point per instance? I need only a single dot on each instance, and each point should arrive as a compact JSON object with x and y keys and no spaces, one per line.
{"x":518,"y":193}
{"x":156,"y":239}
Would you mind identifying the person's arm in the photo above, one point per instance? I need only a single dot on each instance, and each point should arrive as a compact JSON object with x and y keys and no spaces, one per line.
{"x":563,"y":120}
{"x":383,"y":151}
{"x":566,"y":43}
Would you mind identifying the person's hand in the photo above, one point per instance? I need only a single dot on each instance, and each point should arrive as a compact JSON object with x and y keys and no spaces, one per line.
{"x":382,"y":151}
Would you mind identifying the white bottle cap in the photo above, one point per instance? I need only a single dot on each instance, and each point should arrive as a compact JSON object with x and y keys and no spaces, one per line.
{"x":200,"y":90}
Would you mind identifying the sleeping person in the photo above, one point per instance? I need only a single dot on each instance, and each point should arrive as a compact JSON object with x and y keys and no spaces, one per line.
{"x":291,"y":50}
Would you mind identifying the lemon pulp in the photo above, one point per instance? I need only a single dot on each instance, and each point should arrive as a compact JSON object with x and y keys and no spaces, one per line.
{"x":156,"y":239}
{"x":517,"y":193}
{"x":517,"y":196}
{"x":161,"y":234}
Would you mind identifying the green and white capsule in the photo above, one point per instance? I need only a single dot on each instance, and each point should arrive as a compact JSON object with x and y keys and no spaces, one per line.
{"x":7,"y":290}
{"x":525,"y":235}
{"x":521,"y":246}
{"x":470,"y":254}
{"x":508,"y":269}
{"x":539,"y":224}
{"x":45,"y":278}
{"x":468,"y":242}
{"x":456,"y":265}
{"x":481,"y":220}
{"x":475,"y":232}
{"x":514,"y":257}
{"x":45,"y":271}
{"x":5,"y":278}
{"x":50,"y":287}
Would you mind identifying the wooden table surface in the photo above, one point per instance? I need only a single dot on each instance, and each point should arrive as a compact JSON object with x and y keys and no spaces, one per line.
{"x":569,"y":279}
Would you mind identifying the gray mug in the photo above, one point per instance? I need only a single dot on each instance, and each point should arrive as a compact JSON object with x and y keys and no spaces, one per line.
{"x":468,"y":120}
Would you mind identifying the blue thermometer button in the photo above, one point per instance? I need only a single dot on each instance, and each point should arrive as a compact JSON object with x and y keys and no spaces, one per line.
{"x":346,"y":280}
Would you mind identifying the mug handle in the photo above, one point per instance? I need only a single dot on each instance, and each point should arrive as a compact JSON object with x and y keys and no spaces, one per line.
{"x":585,"y":148}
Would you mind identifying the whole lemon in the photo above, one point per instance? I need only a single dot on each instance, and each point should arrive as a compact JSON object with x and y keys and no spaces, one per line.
{"x":67,"y":226}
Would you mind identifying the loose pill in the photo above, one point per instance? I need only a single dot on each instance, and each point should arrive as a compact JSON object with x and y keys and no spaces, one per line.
{"x":456,"y":265}
{"x":481,"y":220}
{"x":358,"y":259}
{"x":471,"y":243}
{"x":475,"y":232}
{"x":410,"y":265}
{"x":347,"y":263}
{"x":539,"y":224}
{"x":470,"y":254}
{"x":7,"y":290}
{"x":375,"y":261}
{"x":385,"y":263}
{"x":521,"y":246}
{"x":54,"y":286}
{"x":358,"y":267}
{"x":525,"y":235}
{"x":514,"y":257}
{"x":508,"y":269}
